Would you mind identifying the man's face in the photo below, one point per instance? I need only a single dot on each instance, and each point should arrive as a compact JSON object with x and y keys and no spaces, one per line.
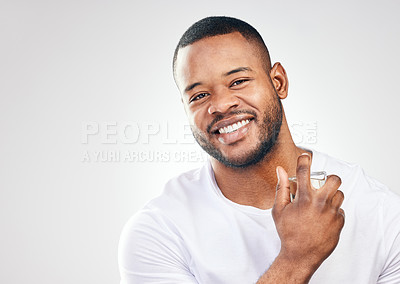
{"x":232,"y":106}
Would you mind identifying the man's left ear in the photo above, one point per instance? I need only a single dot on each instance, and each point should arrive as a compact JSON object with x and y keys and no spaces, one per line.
{"x":280,"y":80}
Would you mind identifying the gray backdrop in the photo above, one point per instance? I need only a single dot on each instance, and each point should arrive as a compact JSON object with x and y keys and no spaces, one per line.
{"x":92,"y":125}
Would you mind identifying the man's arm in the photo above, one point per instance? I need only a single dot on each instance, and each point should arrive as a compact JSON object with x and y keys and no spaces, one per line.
{"x":309,"y":227}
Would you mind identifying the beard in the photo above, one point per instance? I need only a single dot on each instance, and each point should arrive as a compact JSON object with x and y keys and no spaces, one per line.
{"x":269,"y":124}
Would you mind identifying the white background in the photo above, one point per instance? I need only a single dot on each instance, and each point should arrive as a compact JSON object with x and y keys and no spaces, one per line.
{"x":68,"y":64}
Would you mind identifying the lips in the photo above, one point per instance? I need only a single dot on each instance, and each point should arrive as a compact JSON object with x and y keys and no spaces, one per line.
{"x":230,"y":121}
{"x":232,"y":129}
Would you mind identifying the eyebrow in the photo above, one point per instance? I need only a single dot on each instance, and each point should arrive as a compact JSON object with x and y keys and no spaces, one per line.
{"x":240,"y":69}
{"x":192,"y":86}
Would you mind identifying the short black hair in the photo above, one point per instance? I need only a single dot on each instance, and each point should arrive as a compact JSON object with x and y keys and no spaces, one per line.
{"x":220,"y":25}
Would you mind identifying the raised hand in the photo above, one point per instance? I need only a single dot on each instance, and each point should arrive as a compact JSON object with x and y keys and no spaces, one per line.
{"x":310,"y":226}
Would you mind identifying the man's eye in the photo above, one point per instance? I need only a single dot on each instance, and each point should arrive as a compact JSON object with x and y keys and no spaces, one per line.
{"x":199,"y":97}
{"x":238,"y":82}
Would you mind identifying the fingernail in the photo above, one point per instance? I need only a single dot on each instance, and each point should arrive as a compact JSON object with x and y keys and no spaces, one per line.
{"x":306,"y":154}
{"x":277,"y":173}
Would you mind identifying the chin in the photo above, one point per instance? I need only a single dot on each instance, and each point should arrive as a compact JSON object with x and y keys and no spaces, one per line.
{"x":244,"y":160}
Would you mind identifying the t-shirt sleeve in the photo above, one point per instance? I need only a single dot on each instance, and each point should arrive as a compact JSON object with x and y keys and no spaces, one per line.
{"x":391,"y":218}
{"x":150,"y":251}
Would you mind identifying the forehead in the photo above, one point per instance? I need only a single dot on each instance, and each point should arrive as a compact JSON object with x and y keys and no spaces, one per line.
{"x":214,"y":56}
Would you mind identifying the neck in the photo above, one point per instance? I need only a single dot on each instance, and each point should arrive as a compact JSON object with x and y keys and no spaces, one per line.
{"x":256,"y":185}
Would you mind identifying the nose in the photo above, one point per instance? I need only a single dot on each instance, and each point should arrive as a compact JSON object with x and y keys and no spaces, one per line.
{"x":222,"y":102}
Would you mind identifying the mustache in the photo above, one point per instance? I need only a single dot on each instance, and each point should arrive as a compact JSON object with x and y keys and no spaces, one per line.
{"x":220,"y":117}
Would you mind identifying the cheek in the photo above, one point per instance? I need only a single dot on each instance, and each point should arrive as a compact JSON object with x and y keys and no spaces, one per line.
{"x":198,"y":118}
{"x":191,"y":116}
{"x":254,"y":95}
{"x":200,"y":124}
{"x":256,"y":100}
{"x":262,"y":97}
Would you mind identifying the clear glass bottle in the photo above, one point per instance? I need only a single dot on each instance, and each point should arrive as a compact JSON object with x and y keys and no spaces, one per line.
{"x":317,"y":181}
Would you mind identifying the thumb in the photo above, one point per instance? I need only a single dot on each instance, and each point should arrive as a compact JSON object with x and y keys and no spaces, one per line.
{"x":282,"y":195}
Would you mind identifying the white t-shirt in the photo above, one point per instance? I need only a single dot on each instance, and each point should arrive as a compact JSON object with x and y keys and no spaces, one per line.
{"x":193,"y":234}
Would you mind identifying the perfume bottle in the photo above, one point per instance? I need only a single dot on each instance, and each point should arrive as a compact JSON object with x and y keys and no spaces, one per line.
{"x":317,"y":181}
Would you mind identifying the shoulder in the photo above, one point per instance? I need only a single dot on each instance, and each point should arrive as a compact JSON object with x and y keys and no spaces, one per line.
{"x":181,"y":195}
{"x":151,"y":241}
{"x":363,"y":194}
{"x":183,"y":191}
{"x":353,"y":176}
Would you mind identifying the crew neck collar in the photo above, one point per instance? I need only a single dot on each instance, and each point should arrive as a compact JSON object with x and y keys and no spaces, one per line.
{"x":247,"y":208}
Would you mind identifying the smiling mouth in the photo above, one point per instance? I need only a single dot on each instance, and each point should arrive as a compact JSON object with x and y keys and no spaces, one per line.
{"x":233,"y":127}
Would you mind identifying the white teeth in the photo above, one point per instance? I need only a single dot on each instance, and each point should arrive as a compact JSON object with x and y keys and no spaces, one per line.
{"x":233,"y":127}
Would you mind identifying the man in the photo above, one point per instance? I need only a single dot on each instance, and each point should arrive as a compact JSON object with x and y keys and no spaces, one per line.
{"x":233,"y":221}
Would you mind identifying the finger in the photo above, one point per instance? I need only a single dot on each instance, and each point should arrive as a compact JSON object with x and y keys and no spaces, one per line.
{"x":303,"y":174}
{"x":343,"y":216}
{"x":282,"y":195}
{"x":337,"y":199}
{"x":331,"y":185}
